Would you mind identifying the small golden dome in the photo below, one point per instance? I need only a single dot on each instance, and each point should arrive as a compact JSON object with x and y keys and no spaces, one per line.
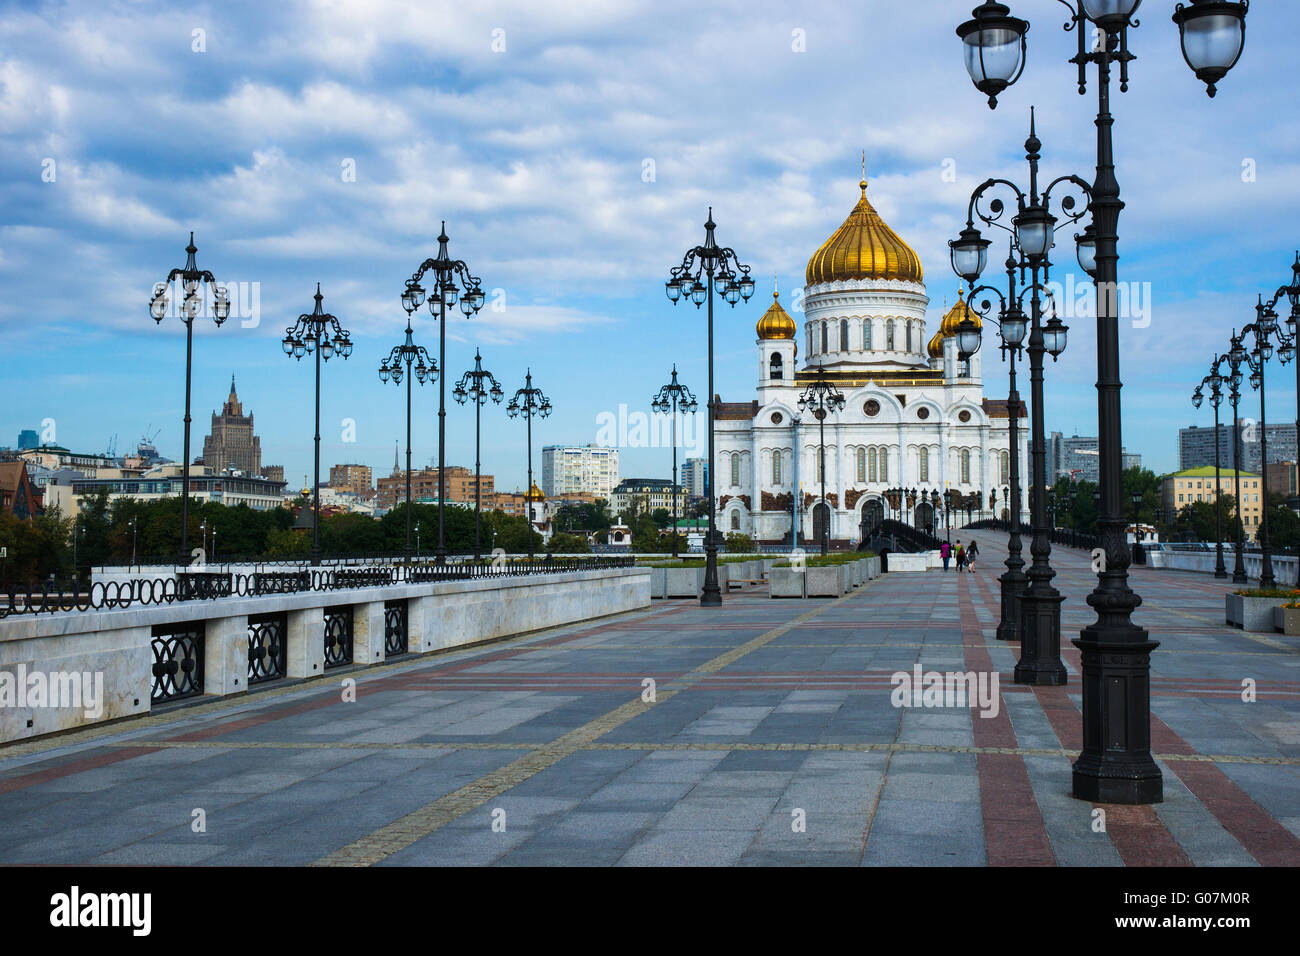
{"x":864,"y":248}
{"x":955,"y":315}
{"x":535,"y":494}
{"x":776,"y":322}
{"x":935,"y":348}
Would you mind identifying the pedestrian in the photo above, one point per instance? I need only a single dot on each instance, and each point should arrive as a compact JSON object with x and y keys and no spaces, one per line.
{"x":972,"y":553}
{"x":961,"y":556}
{"x":945,"y":552}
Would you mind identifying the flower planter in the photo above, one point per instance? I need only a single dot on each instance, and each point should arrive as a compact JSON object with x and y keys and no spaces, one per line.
{"x":1251,"y":613}
{"x":826,"y":582}
{"x":786,"y":582}
{"x":1287,"y":620}
{"x":689,"y":582}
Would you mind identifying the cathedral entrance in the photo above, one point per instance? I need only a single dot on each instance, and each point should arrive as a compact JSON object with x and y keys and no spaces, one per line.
{"x":925,"y":517}
{"x":821,"y":521}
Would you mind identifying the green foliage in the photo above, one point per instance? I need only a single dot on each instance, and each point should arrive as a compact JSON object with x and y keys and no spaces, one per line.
{"x":568,"y":544}
{"x":661,"y":517}
{"x":737,"y":542}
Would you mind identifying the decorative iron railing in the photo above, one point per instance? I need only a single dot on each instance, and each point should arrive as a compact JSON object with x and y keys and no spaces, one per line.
{"x":338,"y":636}
{"x":268,"y":645}
{"x":396,"y":631}
{"x":203,"y":586}
{"x":177,"y":661}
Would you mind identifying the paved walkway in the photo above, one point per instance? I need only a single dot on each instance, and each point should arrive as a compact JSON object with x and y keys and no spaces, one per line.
{"x":771,"y":739}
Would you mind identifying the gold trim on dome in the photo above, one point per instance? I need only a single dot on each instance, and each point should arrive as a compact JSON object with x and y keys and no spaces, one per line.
{"x":959,"y":311}
{"x":864,"y":247}
{"x":935,"y":348}
{"x":776,"y":322}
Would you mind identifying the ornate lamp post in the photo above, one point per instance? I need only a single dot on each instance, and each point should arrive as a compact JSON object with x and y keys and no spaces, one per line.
{"x":672,"y":398}
{"x":452,"y":282}
{"x":1012,"y":326}
{"x":192,"y":279}
{"x":1234,"y":397}
{"x":1215,"y":381}
{"x":1116,"y":764}
{"x":479,"y":386}
{"x":705,"y":269}
{"x":422,"y":368}
{"x":1139,"y":556}
{"x":529,"y":402}
{"x":1032,"y":230}
{"x":320,"y":333}
{"x":821,"y":397}
{"x":1264,"y":329}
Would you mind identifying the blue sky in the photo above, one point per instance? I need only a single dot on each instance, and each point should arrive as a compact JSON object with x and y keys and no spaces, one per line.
{"x":528,"y":127}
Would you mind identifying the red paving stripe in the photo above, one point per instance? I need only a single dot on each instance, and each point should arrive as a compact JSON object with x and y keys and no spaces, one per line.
{"x":1140,"y":838}
{"x":102,"y":759}
{"x":1270,"y":843}
{"x":1014,"y":834}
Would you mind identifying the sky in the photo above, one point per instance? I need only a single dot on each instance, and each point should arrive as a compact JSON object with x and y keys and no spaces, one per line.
{"x":573,"y":150}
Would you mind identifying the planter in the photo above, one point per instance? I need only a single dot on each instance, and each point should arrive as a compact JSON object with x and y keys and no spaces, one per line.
{"x":827,"y":582}
{"x":658,"y":582}
{"x":1287,"y":620}
{"x":689,"y":582}
{"x":1251,"y":613}
{"x":786,"y":583}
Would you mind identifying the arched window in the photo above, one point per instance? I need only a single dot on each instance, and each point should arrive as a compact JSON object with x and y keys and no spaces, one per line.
{"x":925,"y":465}
{"x":1004,"y":460}
{"x":889,"y":335}
{"x":884,"y":464}
{"x":776,"y":366}
{"x":872,"y":458}
{"x":908,"y":326}
{"x":735,"y":470}
{"x":735,"y":521}
{"x":866,"y":333}
{"x":844,"y":335}
{"x":862,"y":464}
{"x":825,"y":346}
{"x":810,"y":339}
{"x":965,"y":466}
{"x":821,"y":461}
{"x":776,"y":467}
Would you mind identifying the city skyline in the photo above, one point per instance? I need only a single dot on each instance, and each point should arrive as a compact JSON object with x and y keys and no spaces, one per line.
{"x":324,"y":172}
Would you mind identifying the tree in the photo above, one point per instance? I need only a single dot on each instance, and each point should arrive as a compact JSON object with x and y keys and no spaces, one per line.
{"x":739,"y":543}
{"x":661,"y":517}
{"x":568,"y":544}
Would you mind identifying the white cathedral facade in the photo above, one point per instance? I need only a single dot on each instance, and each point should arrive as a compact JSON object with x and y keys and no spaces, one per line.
{"x":915,"y":417}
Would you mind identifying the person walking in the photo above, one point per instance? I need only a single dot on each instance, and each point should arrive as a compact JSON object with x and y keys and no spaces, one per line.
{"x":972,"y":553}
{"x":961,"y":556}
{"x":945,"y":552}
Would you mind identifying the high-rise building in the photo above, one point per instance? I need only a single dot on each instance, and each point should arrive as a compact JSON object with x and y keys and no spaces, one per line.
{"x":1079,"y":457}
{"x":232,"y":443}
{"x":575,"y":468}
{"x":354,"y":479}
{"x":692,"y":475}
{"x":1131,"y":460}
{"x":1196,"y":445}
{"x":27,"y":438}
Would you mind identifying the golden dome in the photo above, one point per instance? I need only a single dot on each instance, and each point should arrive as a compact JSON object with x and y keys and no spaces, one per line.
{"x":776,"y":322}
{"x":955,"y":315}
{"x":935,"y":348}
{"x":864,"y":248}
{"x":535,"y":494}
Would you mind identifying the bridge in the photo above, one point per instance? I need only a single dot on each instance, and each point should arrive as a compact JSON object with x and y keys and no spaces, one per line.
{"x":767,"y":732}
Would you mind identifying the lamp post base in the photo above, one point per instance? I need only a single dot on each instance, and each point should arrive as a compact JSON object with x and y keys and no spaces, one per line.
{"x":1116,"y":765}
{"x":711,"y":595}
{"x":1040,"y":642}
{"x":1013,"y":585}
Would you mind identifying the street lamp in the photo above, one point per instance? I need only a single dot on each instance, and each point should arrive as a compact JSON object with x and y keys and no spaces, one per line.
{"x":1012,"y":327}
{"x":1139,"y":556}
{"x":132,"y":523}
{"x":192,"y":279}
{"x":452,"y":282}
{"x":417,"y":540}
{"x":1215,"y":381}
{"x":1265,"y":330}
{"x":1032,"y":230}
{"x":694,"y":280}
{"x":318,"y":332}
{"x":821,"y":397}
{"x":529,"y":402}
{"x":1115,"y":765}
{"x":422,"y":368}
{"x":480,"y":386}
{"x":672,"y":398}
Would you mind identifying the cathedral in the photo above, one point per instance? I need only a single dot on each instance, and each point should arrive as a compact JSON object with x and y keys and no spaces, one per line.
{"x":915,"y":424}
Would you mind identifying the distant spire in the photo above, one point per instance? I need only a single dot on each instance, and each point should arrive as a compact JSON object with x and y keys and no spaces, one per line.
{"x":232,"y":383}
